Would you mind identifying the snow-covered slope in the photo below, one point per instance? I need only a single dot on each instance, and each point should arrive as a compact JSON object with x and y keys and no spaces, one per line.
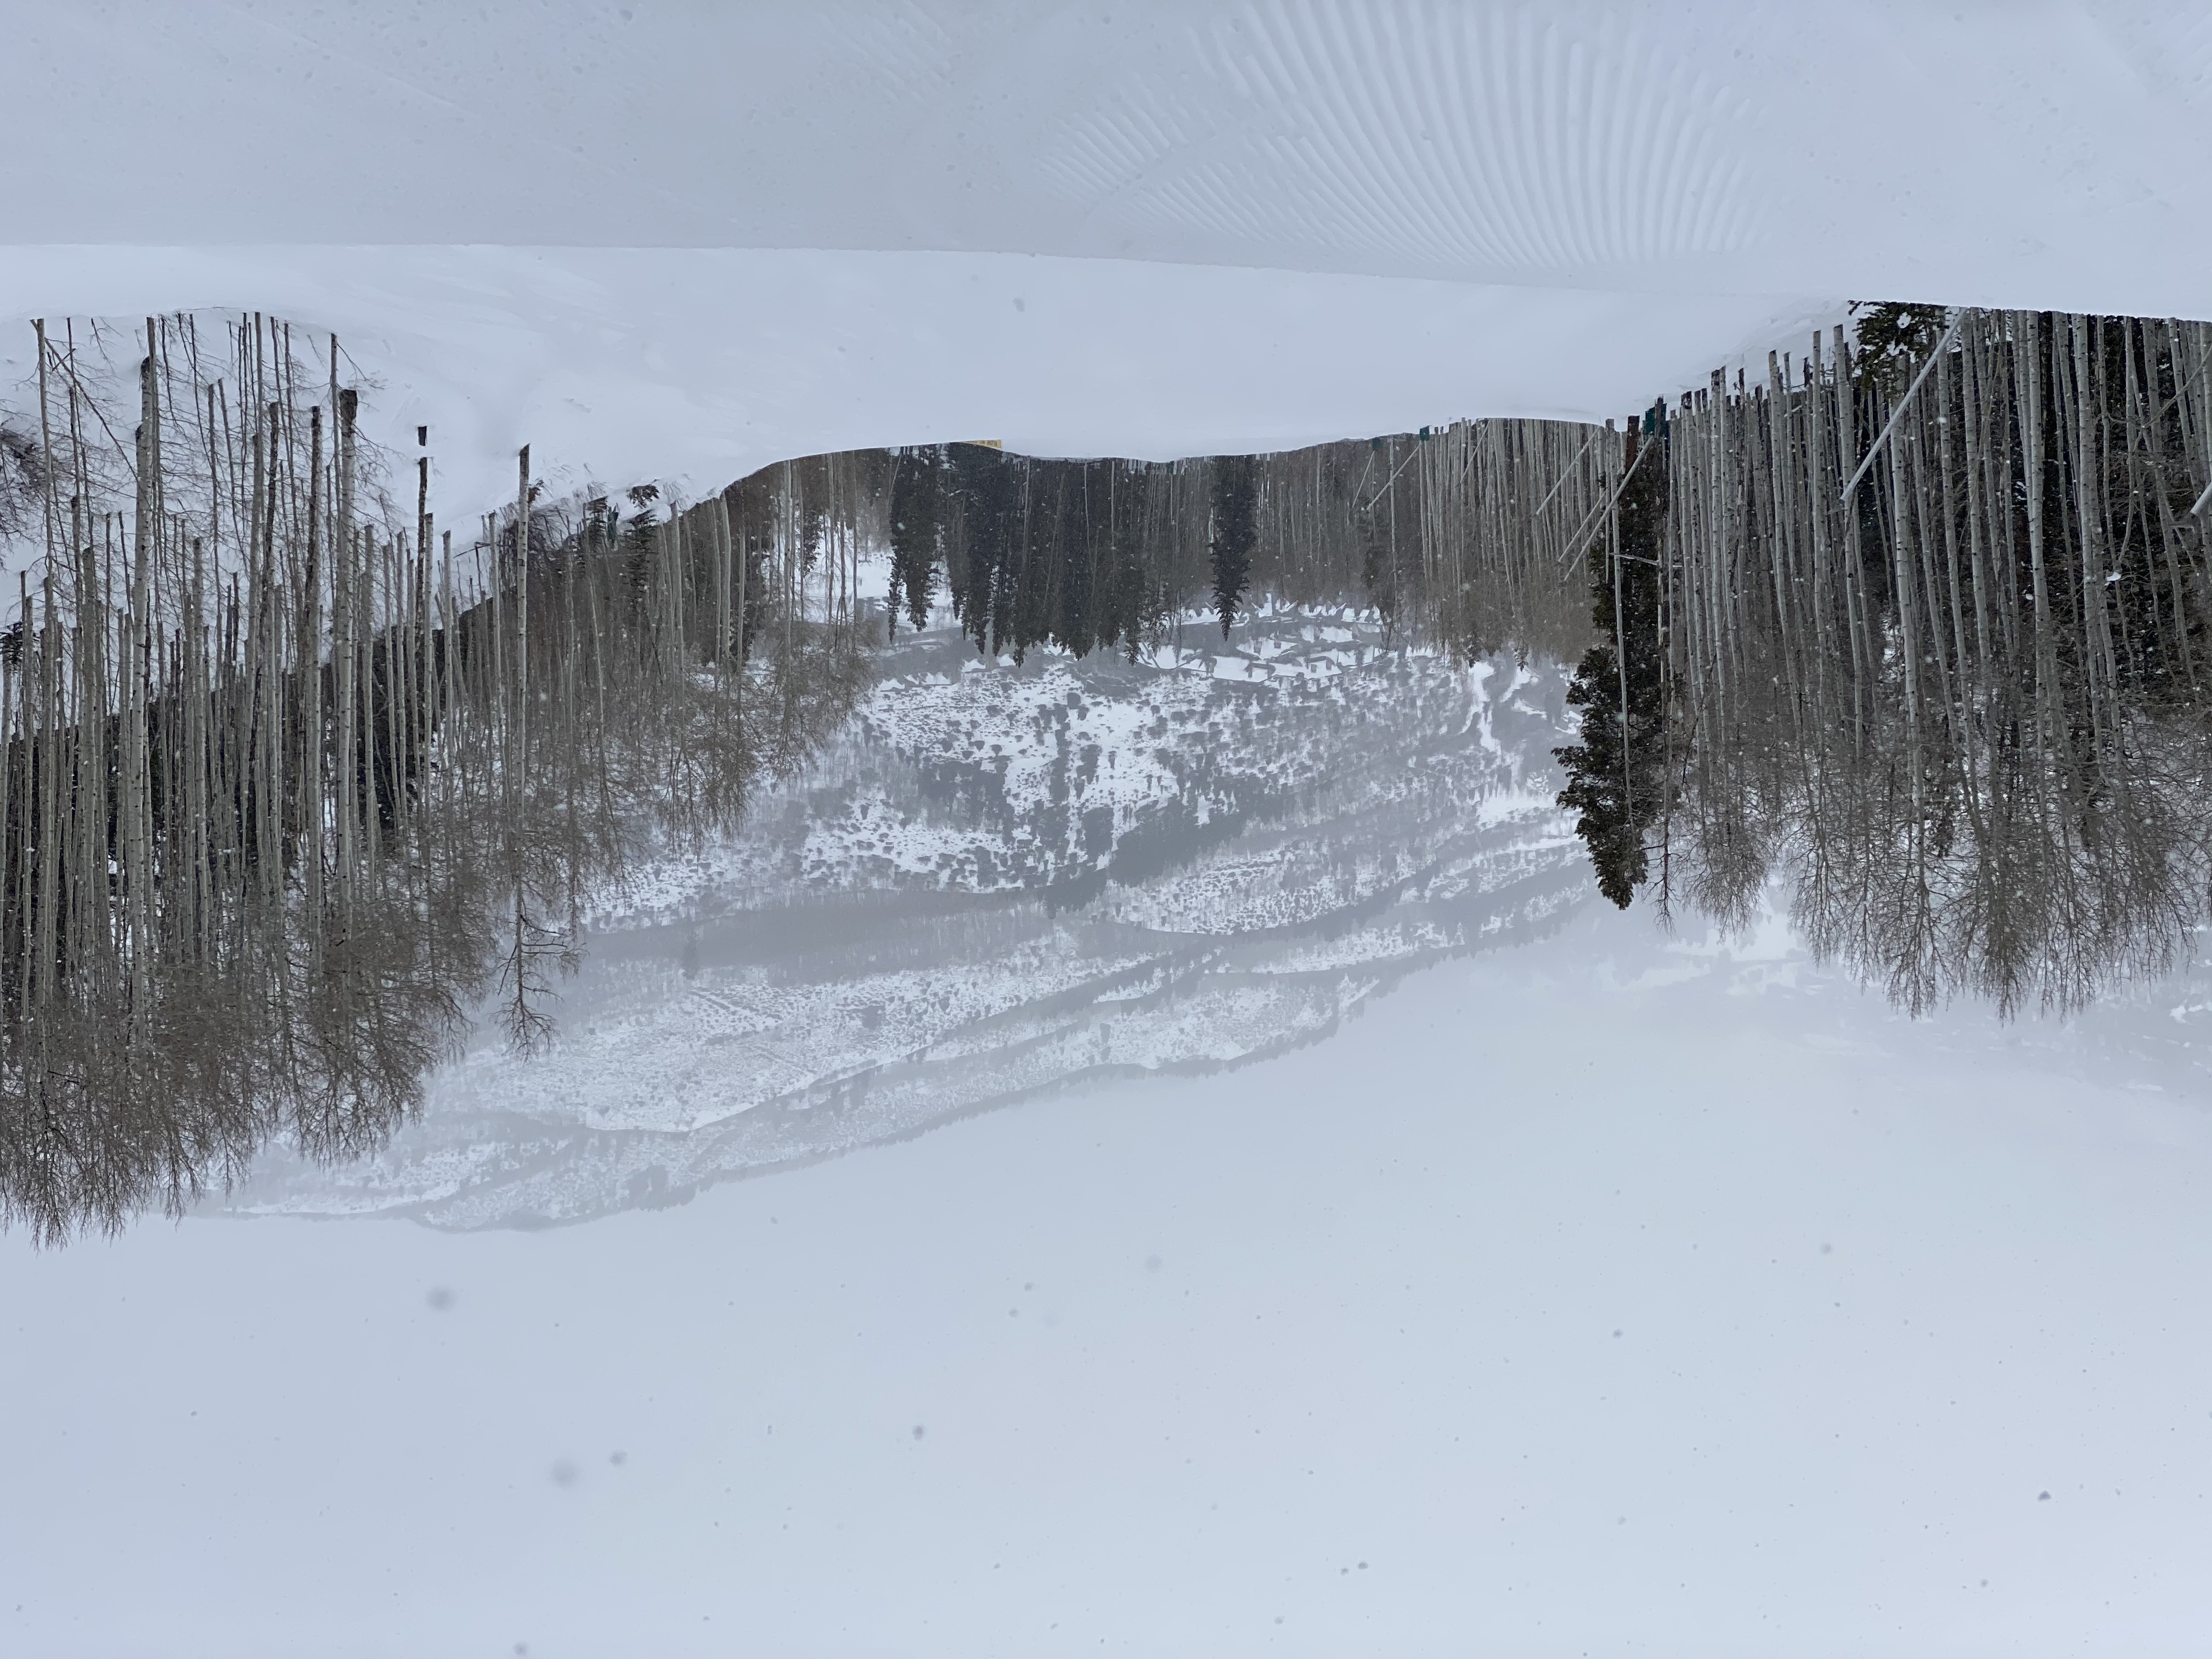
{"x":1001,"y":882}
{"x":1004,"y":881}
{"x":1599,"y":1295}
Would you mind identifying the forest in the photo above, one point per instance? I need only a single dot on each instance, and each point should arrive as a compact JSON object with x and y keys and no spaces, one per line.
{"x":292,"y":786}
{"x":295,"y":784}
{"x":1918,"y":626}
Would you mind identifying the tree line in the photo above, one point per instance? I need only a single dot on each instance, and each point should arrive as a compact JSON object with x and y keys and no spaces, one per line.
{"x":292,"y":780}
{"x":1920,"y":623}
{"x":289,"y":781}
{"x":1454,"y":534}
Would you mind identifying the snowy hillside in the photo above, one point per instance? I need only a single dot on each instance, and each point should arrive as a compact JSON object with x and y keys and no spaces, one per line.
{"x":1600,"y":1294}
{"x":1003,"y":880}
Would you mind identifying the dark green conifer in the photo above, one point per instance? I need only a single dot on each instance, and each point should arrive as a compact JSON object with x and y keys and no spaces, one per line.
{"x":917,"y":515}
{"x":990,"y":495}
{"x":1894,"y":338}
{"x":1617,"y":779}
{"x":1235,"y":530}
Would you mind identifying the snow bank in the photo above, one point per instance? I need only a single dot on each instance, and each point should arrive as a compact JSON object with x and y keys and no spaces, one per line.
{"x":1598,"y":1296}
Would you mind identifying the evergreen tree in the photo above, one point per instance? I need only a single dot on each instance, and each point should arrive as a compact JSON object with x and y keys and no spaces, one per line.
{"x":1076,"y":629}
{"x":990,"y":497}
{"x":916,"y":514}
{"x":1617,"y":779}
{"x":1235,"y":530}
{"x":1894,"y":338}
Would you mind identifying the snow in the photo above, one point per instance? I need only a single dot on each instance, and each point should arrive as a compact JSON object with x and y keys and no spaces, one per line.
{"x":1237,"y":1287}
{"x":999,"y":882}
{"x":1877,"y":1287}
{"x":1280,"y":1316}
{"x":678,"y":242}
{"x":696,"y":365}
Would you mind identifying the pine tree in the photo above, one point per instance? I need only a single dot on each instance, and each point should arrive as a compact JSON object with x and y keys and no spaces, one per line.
{"x":1617,"y":775}
{"x":990,"y":495}
{"x":1235,"y":532}
{"x":916,"y":516}
{"x":1894,"y":336}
